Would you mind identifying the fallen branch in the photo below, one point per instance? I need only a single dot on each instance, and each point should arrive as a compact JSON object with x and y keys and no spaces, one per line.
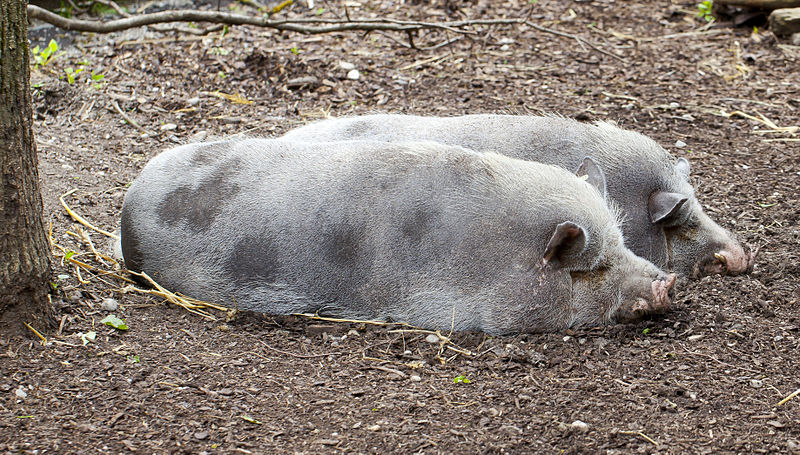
{"x":306,"y":26}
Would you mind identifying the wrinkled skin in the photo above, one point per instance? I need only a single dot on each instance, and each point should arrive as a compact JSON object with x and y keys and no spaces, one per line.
{"x":436,"y":236}
{"x":662,"y":220}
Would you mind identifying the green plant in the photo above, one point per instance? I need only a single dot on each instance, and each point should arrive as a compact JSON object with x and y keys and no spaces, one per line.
{"x":95,"y":79}
{"x":295,"y":50}
{"x":320,"y":11}
{"x":44,"y":56}
{"x":64,"y":9}
{"x":113,"y":321}
{"x":647,"y":331}
{"x":461,"y":380}
{"x":704,"y":10}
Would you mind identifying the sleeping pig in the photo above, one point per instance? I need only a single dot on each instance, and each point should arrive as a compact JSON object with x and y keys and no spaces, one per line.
{"x":432,"y":235}
{"x":662,"y":220}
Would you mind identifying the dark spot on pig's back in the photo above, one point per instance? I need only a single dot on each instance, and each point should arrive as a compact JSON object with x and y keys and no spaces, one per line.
{"x":199,"y":206}
{"x":343,"y":246}
{"x":417,"y":223}
{"x":209,"y":153}
{"x":254,"y":259}
{"x":131,"y":248}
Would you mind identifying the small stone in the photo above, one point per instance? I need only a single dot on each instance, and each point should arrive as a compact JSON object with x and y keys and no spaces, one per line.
{"x":795,"y":39}
{"x":695,"y":337}
{"x":579,"y":425}
{"x":200,"y":435}
{"x":415,"y":378}
{"x":674,"y":105}
{"x":169,"y":127}
{"x":756,"y":383}
{"x":776,"y":424}
{"x":21,"y":394}
{"x":109,"y":304}
{"x":353,"y":75}
{"x":347,"y":66}
{"x":375,"y":427}
{"x":432,"y":338}
{"x":567,"y":338}
{"x":193,"y":101}
{"x":680,"y":144}
{"x":353,"y":332}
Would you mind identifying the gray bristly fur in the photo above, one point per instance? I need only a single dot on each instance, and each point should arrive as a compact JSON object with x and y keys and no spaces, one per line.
{"x":432,"y":235}
{"x":636,"y":168}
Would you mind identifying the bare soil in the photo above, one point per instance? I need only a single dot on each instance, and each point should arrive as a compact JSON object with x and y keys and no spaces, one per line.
{"x":705,"y":378}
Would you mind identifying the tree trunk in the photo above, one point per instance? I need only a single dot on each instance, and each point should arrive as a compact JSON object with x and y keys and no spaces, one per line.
{"x":24,"y":253}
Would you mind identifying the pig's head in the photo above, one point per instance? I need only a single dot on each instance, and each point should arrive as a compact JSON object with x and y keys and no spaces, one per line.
{"x":586,"y":258}
{"x":609,"y":284}
{"x":664,"y":222}
{"x":695,"y":245}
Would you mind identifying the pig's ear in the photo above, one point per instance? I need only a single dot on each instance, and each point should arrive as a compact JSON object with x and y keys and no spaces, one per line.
{"x":682,"y":168}
{"x":663,"y":205}
{"x":590,"y":171}
{"x":568,"y":241}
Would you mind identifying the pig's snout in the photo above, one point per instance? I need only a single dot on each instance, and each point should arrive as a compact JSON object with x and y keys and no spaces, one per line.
{"x":734,"y":259}
{"x":661,"y":289}
{"x":658,"y":302}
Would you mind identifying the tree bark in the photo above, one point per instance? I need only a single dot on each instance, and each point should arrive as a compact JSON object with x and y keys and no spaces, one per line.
{"x":24,"y":253}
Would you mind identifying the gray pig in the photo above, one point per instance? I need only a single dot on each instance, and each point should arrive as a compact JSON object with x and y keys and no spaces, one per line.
{"x":662,"y":220}
{"x":436,"y":236}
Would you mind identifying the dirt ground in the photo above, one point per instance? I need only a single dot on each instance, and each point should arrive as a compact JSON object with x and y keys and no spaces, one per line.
{"x":708,"y":377}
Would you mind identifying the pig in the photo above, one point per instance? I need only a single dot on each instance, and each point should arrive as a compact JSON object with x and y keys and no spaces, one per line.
{"x":662,"y":219}
{"x":436,"y":236}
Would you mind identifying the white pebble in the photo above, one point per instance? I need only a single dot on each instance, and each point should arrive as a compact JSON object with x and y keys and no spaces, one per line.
{"x":432,"y":338}
{"x":21,"y":394}
{"x":680,"y":144}
{"x":580,"y":425}
{"x":347,"y":66}
{"x":353,"y":75}
{"x":756,"y":384}
{"x":109,"y":305}
{"x":169,"y":127}
{"x":375,"y":427}
{"x":415,"y":378}
{"x":695,"y":337}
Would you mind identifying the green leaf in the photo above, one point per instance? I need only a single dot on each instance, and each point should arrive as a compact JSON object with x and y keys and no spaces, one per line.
{"x":647,"y":331}
{"x":461,"y":380}
{"x":87,"y":337}
{"x":250,"y":419}
{"x":133,"y":358}
{"x":115,"y":322}
{"x":765,"y":205}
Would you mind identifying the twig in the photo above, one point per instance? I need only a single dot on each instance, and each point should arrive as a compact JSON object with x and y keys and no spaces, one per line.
{"x":575,"y":37}
{"x":791,"y":395}
{"x":36,"y":332}
{"x":131,"y":121}
{"x":299,"y":356}
{"x":389,"y":370}
{"x":639,"y":433}
{"x":80,"y":219}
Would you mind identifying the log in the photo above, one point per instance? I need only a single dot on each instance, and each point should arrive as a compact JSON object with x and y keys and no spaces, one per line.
{"x":763,"y":4}
{"x":785,"y":21}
